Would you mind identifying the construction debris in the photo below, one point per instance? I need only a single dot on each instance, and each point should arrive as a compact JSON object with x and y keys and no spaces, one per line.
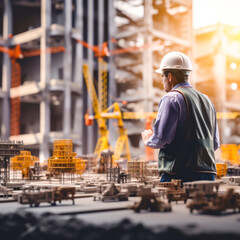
{"x":150,"y":203}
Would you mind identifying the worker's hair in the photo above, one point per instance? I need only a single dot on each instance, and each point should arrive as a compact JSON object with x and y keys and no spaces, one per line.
{"x":180,"y":75}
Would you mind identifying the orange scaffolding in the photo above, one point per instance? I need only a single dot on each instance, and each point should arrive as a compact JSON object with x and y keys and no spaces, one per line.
{"x":64,"y":160}
{"x":221,"y":170}
{"x":23,"y":162}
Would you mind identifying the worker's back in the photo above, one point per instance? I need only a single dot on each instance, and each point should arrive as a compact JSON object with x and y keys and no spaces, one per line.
{"x":192,"y":150}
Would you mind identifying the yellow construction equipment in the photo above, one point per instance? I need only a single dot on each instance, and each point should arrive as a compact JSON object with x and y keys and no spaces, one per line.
{"x":102,"y":113}
{"x":23,"y":163}
{"x":122,"y":144}
{"x":64,"y":160}
{"x":102,"y":84}
{"x":102,"y":142}
{"x":221,"y":170}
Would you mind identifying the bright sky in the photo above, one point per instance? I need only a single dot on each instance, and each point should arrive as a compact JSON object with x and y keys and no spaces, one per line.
{"x":208,"y":12}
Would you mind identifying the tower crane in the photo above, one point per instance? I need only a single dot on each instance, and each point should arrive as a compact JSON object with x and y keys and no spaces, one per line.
{"x":122,"y":144}
{"x":102,"y":142}
{"x":102,"y":112}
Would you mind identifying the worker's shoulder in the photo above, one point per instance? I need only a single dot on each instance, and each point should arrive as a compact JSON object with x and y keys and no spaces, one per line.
{"x":204,"y":96}
{"x":173,"y":95}
{"x":179,"y":90}
{"x":172,"y":99}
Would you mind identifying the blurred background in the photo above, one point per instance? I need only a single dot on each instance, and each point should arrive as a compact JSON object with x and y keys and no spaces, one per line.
{"x":44,"y":44}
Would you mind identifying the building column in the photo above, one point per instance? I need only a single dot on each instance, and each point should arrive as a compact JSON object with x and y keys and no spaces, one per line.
{"x":6,"y":71}
{"x":147,"y":58}
{"x":220,"y":78}
{"x":112,"y":87}
{"x":45,"y":61}
{"x":67,"y":111}
{"x":220,"y":90}
{"x":90,"y":129}
{"x":78,"y":123}
{"x":100,"y":42}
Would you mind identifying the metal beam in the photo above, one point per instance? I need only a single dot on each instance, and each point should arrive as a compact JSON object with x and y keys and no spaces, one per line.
{"x":168,"y":37}
{"x":131,"y":33}
{"x":45,"y":61}
{"x":27,"y":36}
{"x":6,"y":71}
{"x":67,"y":111}
{"x":100,"y":22}
{"x":90,"y":131}
{"x":78,"y":123}
{"x":36,"y":33}
{"x":111,"y":68}
{"x":147,"y":57}
{"x":36,"y":87}
{"x":24,"y":90}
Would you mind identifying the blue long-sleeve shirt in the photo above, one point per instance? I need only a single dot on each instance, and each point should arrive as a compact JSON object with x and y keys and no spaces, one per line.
{"x":172,"y":117}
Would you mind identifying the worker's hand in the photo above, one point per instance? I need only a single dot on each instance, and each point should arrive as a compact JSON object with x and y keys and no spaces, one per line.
{"x":146,"y":134}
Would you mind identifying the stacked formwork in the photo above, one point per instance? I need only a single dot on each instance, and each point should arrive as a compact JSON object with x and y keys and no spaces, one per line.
{"x":146,"y":31}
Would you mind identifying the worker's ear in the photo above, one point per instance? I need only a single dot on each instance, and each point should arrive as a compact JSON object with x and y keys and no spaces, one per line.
{"x":170,"y":77}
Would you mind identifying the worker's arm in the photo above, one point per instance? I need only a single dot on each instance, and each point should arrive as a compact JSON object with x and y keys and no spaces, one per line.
{"x":167,"y":120}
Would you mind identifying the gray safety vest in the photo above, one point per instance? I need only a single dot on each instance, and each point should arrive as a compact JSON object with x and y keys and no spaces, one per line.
{"x":192,"y":149}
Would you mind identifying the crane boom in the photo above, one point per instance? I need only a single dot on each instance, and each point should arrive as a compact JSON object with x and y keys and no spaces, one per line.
{"x":102,"y":84}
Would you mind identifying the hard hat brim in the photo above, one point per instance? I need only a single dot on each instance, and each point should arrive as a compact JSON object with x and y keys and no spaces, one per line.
{"x":159,"y":71}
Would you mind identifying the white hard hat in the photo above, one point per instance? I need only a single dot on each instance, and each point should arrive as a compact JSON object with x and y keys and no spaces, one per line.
{"x":175,"y":60}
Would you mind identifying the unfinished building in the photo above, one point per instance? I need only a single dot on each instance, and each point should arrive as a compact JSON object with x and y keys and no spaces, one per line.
{"x":146,"y":31}
{"x":217,"y":75}
{"x":43,"y":94}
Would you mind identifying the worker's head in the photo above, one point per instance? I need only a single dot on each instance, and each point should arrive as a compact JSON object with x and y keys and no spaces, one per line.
{"x":175,"y":67}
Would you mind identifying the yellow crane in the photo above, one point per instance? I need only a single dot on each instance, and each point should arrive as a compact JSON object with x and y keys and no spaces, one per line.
{"x":102,"y":113}
{"x":102,"y":142}
{"x":122,"y":144}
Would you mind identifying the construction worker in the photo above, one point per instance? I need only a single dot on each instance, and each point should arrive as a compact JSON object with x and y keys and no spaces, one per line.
{"x":186,"y":128}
